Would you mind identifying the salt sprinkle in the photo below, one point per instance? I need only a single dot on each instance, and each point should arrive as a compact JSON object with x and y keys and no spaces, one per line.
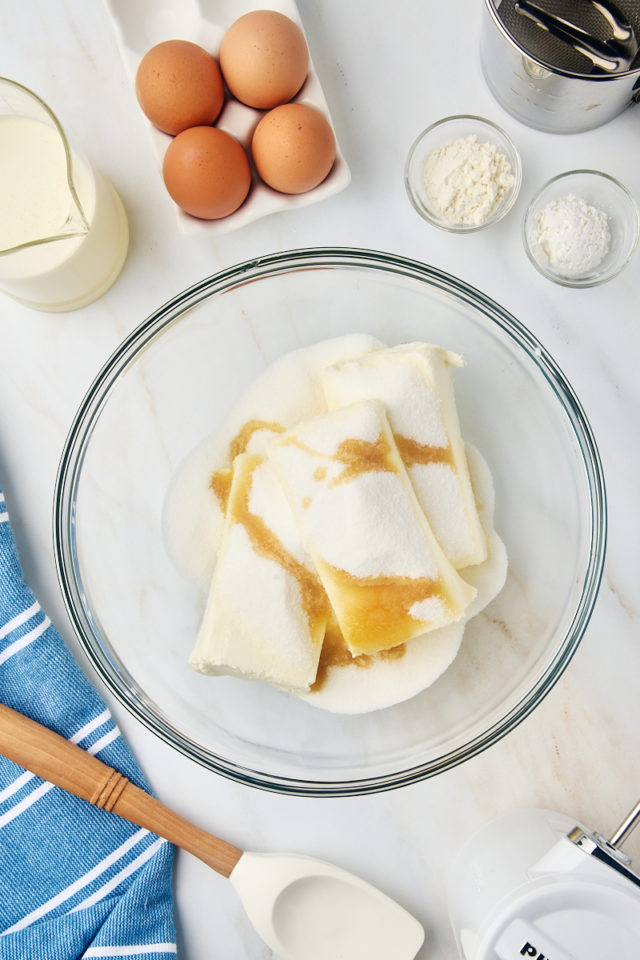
{"x":571,"y":236}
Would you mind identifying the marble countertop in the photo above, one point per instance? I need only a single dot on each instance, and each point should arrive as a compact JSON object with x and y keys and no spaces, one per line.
{"x":387,"y":72}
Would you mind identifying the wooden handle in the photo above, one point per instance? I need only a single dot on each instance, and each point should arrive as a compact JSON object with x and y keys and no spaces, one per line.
{"x":50,"y":756}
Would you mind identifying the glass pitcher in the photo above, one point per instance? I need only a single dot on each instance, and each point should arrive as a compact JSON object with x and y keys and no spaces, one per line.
{"x":63,"y":229}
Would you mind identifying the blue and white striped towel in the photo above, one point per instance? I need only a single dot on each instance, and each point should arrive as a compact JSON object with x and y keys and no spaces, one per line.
{"x":74,"y":881}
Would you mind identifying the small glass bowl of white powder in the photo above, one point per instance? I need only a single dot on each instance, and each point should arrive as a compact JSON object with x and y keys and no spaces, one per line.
{"x":463,"y":173}
{"x":581,"y":228}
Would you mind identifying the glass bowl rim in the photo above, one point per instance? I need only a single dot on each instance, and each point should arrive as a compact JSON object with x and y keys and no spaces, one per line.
{"x":504,"y":207}
{"x":143,"y":335}
{"x":568,"y":281}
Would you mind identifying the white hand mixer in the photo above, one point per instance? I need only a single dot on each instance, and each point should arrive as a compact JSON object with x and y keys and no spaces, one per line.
{"x":531,"y":884}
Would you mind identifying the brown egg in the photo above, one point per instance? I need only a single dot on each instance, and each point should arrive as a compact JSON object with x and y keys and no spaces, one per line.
{"x":179,"y":85}
{"x":264,"y":59}
{"x":293,"y":148}
{"x":207,"y":172}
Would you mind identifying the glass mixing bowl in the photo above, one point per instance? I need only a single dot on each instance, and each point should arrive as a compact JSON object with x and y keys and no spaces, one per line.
{"x":172,"y":381}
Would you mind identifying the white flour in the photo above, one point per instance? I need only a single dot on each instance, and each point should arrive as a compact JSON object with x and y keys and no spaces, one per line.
{"x":571,"y":236}
{"x":465,"y":181}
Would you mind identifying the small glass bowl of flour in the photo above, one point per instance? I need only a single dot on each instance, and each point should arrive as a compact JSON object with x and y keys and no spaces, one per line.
{"x":463,"y":173}
{"x":581,"y":228}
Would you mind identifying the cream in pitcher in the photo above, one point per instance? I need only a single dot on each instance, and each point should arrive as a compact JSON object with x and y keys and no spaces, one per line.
{"x":63,"y":230}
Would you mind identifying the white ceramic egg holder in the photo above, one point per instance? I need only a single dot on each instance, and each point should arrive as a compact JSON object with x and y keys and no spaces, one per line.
{"x":141,"y":25}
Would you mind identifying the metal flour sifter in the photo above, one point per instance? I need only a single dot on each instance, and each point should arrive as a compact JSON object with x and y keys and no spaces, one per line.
{"x":562,"y":65}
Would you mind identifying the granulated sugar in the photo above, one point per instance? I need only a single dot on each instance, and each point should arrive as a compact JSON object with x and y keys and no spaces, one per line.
{"x":414,"y":383}
{"x":362,"y":525}
{"x":359,"y":516}
{"x":288,"y":391}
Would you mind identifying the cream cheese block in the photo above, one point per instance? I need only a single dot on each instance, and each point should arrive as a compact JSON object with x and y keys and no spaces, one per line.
{"x":414,"y":383}
{"x":266,"y":612}
{"x":287,"y":391}
{"x":376,"y":682}
{"x":384,"y":571}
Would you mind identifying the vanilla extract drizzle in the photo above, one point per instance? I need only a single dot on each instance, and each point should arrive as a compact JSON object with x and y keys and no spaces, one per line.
{"x":413,"y":452}
{"x":220,"y":480}
{"x":357,"y":456}
{"x":243,"y":437}
{"x":265,"y":543}
{"x":383,"y":602}
{"x":220,"y":483}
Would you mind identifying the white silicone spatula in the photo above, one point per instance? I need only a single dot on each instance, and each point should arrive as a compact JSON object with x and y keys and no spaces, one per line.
{"x":303,"y":908}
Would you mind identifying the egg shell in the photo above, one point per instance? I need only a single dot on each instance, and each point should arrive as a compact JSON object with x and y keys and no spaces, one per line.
{"x":206,"y":172}
{"x":264,"y":58}
{"x":179,"y":85}
{"x":293,"y":148}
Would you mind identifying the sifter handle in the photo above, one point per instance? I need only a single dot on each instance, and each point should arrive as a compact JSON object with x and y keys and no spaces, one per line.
{"x":603,"y":54}
{"x":627,"y":826}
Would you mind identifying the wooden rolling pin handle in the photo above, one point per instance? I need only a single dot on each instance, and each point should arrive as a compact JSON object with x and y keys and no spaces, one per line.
{"x":50,"y":756}
{"x":106,"y":794}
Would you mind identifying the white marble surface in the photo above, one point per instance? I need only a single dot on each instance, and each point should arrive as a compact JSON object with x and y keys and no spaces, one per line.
{"x":387,"y":70}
